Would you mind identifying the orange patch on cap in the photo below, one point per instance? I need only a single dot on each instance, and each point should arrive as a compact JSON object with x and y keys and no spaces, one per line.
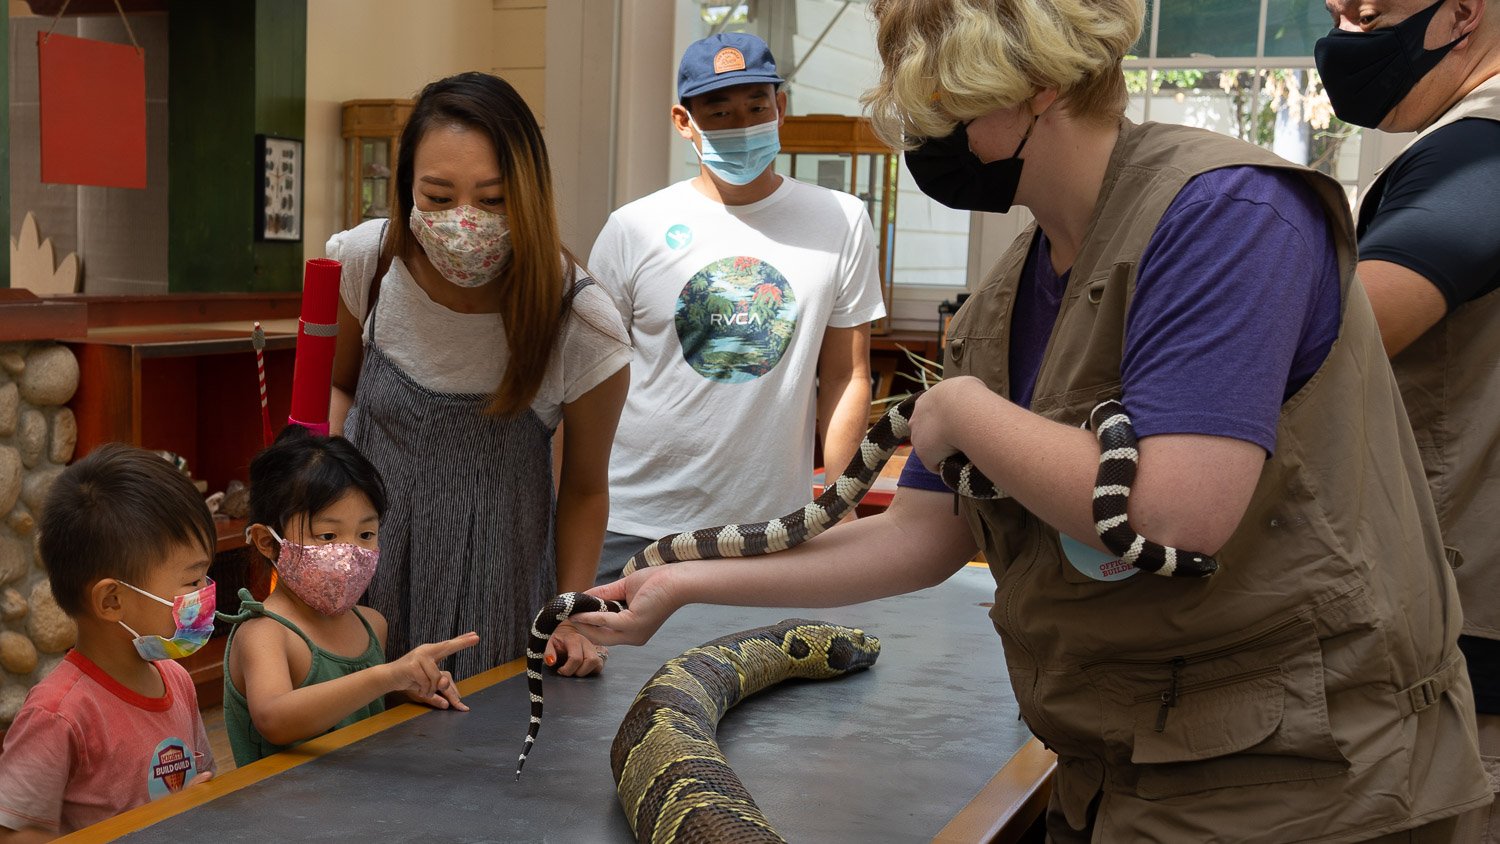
{"x":728,"y":59}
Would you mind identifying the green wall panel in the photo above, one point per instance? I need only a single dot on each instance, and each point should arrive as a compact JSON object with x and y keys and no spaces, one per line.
{"x":238,"y":68}
{"x":280,"y":109}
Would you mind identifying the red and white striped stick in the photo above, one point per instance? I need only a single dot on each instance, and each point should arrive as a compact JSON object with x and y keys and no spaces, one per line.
{"x":258,"y":339}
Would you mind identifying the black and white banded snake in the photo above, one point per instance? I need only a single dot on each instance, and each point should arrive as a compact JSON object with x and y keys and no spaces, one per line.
{"x":1118,"y":460}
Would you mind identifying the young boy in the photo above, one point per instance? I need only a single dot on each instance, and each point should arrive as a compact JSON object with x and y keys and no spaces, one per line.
{"x":116,"y":724}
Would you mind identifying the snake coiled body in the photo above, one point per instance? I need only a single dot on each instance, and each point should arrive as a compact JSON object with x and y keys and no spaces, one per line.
{"x":1118,"y":459}
{"x":838,"y":499}
{"x":673,"y":781}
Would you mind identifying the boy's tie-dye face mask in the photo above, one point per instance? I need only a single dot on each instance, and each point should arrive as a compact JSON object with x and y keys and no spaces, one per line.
{"x":194,"y":615}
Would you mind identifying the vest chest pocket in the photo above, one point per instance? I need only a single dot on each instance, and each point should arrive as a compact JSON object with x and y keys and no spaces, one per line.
{"x":1249,"y":713}
{"x":981,"y":357}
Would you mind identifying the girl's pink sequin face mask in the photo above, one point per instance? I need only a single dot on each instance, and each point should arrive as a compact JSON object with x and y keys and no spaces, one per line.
{"x":328,"y":578}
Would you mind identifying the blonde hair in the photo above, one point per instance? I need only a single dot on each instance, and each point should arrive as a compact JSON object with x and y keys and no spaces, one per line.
{"x":944,"y":61}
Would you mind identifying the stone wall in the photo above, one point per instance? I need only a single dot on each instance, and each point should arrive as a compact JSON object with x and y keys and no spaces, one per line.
{"x":37,"y":437}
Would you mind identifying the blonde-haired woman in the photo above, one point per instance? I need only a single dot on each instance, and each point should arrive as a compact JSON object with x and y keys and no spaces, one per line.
{"x":467,"y":333}
{"x":1310,"y":690}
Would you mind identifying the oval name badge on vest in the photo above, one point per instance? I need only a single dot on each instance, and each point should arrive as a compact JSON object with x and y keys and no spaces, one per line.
{"x":1094,"y":563}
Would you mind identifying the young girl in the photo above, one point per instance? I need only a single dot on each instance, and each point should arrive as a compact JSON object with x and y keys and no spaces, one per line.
{"x":467,"y":334}
{"x":307,"y":660}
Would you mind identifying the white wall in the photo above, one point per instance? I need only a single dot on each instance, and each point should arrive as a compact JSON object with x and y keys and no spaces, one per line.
{"x":387,"y":49}
{"x":583,"y":43}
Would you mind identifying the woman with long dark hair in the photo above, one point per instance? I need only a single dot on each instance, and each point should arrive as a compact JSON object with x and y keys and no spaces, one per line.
{"x":467,"y":333}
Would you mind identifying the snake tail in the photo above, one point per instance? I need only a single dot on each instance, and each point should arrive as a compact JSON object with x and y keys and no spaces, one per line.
{"x":1119,"y":457}
{"x":555,"y":612}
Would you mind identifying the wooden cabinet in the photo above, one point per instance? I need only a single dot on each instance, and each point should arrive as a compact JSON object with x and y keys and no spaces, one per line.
{"x":843,"y":153}
{"x":372,"y":134}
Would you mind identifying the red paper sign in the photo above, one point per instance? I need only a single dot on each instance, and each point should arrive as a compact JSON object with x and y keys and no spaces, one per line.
{"x":93,"y":112}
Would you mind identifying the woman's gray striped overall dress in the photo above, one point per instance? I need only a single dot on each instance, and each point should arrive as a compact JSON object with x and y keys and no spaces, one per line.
{"x":466,"y":542}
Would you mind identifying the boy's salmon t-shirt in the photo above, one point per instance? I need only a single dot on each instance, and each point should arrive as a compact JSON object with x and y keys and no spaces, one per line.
{"x":84,"y":748}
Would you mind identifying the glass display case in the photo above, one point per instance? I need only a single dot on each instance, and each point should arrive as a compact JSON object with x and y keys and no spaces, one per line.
{"x":843,"y":153}
{"x":372,"y":130}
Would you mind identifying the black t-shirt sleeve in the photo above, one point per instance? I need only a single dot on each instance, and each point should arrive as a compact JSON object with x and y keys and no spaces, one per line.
{"x":1439,"y":212}
{"x":1483,"y":656}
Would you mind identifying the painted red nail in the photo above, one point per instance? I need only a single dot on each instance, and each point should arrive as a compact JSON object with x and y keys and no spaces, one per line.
{"x":550,"y":659}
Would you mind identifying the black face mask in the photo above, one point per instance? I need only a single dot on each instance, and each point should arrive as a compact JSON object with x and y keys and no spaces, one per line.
{"x":947,"y":171}
{"x":1367,"y":73}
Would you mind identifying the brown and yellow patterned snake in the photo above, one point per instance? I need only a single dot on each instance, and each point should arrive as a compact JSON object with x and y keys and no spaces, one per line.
{"x":1118,"y":460}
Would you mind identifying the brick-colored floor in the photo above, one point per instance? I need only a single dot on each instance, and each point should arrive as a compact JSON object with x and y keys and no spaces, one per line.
{"x":218,"y":739}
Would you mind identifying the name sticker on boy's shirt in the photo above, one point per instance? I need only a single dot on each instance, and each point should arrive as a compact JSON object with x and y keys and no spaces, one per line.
{"x":173,"y":766}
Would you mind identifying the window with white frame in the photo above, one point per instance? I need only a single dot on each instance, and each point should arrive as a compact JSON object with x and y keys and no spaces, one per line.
{"x":1243,"y":68}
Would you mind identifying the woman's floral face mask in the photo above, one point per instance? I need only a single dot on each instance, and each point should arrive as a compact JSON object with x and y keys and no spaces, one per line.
{"x":468,"y":246}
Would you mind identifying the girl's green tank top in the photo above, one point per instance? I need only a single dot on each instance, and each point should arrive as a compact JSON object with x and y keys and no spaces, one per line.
{"x":247,"y":742}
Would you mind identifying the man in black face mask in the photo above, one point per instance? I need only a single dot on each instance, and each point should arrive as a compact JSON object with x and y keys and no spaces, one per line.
{"x":1429,"y":242}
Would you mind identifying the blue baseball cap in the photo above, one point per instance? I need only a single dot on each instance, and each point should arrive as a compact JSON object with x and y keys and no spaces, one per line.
{"x":719,"y":61}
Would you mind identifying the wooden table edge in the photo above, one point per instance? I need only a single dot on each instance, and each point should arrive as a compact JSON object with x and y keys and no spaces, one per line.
{"x":1008,"y":804}
{"x":1002,"y":809}
{"x":175,"y":804}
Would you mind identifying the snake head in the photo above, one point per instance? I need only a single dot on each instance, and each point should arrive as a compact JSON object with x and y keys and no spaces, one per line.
{"x":852,"y":650}
{"x":828,"y":650}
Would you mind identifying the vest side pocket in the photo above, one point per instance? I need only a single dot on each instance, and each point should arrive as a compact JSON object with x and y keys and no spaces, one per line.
{"x":1246,"y":714}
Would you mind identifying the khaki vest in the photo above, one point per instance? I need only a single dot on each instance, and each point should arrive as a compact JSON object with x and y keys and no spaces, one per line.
{"x":1316,"y":675}
{"x":1450,"y":381}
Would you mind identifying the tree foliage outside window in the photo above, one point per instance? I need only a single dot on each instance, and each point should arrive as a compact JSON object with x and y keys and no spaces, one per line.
{"x":1261,"y":103}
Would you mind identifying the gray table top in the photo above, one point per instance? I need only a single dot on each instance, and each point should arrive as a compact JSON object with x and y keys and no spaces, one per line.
{"x":888,"y":755}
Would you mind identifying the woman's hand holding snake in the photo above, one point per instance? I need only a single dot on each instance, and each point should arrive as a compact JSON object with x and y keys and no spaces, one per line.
{"x":940,"y":407}
{"x":571,"y":652}
{"x":650,"y":599}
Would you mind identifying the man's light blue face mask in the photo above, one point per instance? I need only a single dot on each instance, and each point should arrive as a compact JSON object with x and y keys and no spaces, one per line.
{"x":739,"y":155}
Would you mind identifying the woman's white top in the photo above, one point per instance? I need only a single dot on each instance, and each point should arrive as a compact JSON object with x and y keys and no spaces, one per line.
{"x":450,"y":352}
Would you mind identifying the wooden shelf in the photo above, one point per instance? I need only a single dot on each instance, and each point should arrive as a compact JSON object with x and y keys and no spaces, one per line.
{"x":26,"y":316}
{"x":188,"y":388}
{"x":832,"y":133}
{"x":231,"y":535}
{"x":184,"y":308}
{"x":924,"y":343}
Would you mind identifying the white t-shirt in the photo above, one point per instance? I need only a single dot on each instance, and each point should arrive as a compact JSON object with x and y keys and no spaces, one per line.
{"x":726,"y":307}
{"x":450,"y":352}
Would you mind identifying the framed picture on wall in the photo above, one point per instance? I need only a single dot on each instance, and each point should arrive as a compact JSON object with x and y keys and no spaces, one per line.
{"x":278,"y":213}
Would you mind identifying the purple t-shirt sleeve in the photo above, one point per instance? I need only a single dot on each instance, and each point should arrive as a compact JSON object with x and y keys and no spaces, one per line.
{"x":915,"y":474}
{"x":1236,"y":306}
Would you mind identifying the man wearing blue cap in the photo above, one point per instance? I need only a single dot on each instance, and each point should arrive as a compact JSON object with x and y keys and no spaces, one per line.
{"x":748,"y":296}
